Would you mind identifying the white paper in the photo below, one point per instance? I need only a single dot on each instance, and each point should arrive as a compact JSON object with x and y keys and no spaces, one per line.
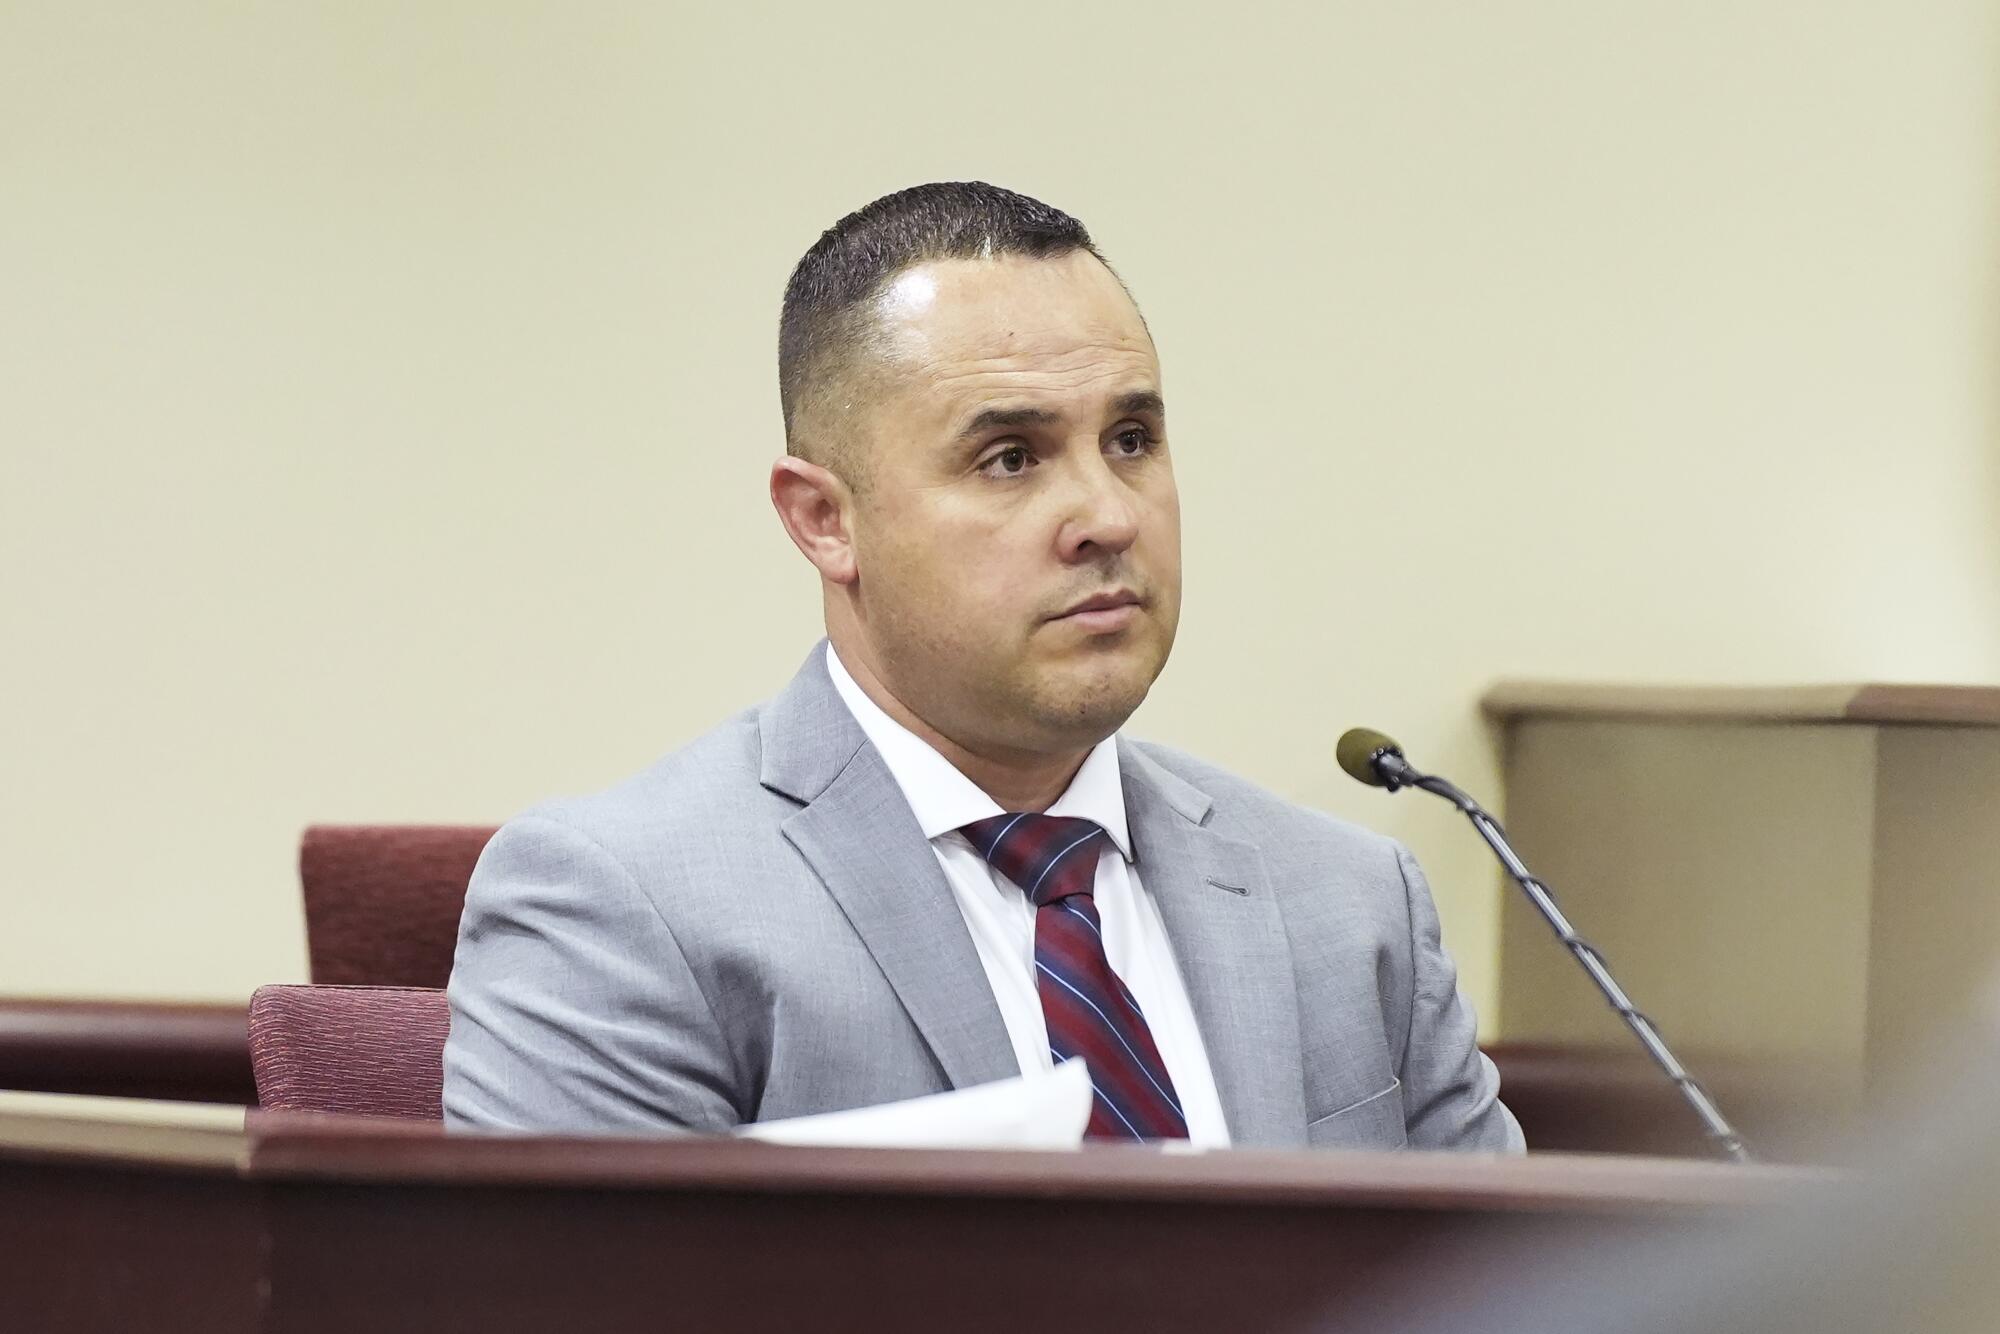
{"x":1045,"y":1110}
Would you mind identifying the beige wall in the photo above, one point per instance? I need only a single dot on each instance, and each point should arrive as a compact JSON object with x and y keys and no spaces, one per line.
{"x":386,"y":390}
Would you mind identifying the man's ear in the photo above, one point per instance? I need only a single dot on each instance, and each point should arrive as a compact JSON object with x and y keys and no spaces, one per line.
{"x":816,"y":508}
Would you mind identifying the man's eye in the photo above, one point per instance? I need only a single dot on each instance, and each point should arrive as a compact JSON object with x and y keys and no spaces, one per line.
{"x":1011,"y":461}
{"x":1132,"y":441}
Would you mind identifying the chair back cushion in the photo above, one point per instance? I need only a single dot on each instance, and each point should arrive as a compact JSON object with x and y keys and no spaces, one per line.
{"x":383,"y":901}
{"x":356,"y":1051}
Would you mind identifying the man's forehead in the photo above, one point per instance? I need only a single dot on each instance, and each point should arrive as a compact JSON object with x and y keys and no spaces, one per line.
{"x":971,"y":330}
{"x":1009,"y":304}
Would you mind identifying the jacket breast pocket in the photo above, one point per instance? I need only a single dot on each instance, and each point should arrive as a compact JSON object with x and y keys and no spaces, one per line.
{"x":1375,"y":1122}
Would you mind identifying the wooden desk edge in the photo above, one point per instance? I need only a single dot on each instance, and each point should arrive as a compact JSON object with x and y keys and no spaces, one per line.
{"x":1868,"y":703}
{"x":333,"y":1152}
{"x":173,"y":1050}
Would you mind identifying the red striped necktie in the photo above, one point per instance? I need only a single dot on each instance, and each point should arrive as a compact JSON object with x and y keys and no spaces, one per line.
{"x":1089,"y":1011}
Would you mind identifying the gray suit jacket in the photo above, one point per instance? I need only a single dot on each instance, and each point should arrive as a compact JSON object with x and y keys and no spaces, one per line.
{"x":756,"y":928}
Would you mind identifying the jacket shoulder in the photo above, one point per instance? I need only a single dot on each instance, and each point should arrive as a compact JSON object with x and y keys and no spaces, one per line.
{"x":704,"y":791}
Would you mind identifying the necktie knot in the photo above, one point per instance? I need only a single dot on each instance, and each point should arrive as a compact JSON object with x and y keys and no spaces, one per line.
{"x":1051,"y":857}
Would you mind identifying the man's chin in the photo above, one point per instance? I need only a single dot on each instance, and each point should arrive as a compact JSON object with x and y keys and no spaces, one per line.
{"x":1087,"y":706}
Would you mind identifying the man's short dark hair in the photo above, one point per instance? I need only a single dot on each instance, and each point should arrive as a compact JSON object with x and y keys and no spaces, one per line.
{"x":828,"y":321}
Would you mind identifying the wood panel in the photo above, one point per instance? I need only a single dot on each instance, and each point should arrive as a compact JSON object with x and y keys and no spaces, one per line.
{"x":1804,"y":877}
{"x":1871,"y":702}
{"x":339,"y":1227}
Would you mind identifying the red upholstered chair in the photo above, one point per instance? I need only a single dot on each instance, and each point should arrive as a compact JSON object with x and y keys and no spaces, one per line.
{"x":355,"y":1051}
{"x":383,"y":901}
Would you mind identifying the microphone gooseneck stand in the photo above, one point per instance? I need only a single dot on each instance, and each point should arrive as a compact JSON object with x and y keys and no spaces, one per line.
{"x":1397,"y":772}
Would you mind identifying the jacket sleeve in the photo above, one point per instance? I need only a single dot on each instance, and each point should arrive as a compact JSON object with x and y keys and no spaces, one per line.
{"x":1451,"y":1092}
{"x":573,"y":1008}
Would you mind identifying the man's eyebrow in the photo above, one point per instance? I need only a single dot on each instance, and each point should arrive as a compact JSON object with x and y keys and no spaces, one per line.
{"x":1139,"y":401}
{"x":994,"y":419}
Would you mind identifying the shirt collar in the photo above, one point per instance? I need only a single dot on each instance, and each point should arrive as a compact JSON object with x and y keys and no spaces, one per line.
{"x":944,"y":800}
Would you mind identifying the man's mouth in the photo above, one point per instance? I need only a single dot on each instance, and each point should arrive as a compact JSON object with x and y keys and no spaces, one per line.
{"x":1103,"y":611}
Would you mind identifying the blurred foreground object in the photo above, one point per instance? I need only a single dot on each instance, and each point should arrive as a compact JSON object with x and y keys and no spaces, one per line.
{"x":1910,"y":1245}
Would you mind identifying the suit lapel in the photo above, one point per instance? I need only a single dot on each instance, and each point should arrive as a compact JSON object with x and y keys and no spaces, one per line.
{"x":1230,"y":942}
{"x":858,"y":835}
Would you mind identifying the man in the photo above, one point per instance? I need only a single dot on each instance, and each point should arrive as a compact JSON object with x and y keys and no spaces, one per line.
{"x":932,"y":861}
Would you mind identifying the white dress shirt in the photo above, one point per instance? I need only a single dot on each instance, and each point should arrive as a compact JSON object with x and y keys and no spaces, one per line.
{"x":1002,"y":920}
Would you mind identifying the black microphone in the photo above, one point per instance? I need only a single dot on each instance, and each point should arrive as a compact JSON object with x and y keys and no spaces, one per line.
{"x":1372,"y":758}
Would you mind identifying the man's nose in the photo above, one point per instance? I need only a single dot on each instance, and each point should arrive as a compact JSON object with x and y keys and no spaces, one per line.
{"x":1103,"y":517}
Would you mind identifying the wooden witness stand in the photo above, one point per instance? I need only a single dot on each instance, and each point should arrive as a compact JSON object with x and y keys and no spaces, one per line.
{"x":331,"y":1225}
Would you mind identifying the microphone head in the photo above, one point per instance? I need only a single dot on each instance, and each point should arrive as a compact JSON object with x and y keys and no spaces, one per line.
{"x":1358,"y":750}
